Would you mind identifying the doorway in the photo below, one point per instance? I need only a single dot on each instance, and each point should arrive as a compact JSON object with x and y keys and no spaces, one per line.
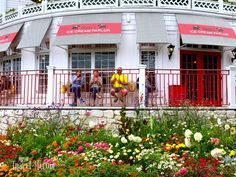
{"x":201,"y":77}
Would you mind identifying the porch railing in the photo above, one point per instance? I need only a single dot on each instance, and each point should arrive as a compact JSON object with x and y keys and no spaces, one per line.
{"x":163,"y":88}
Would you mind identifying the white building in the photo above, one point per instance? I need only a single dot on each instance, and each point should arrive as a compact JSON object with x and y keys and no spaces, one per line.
{"x":73,"y":34}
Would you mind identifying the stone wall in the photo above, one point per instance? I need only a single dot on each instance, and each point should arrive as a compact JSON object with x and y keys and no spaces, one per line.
{"x":107,"y":116}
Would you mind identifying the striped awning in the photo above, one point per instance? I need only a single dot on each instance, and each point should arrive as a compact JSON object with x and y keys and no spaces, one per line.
{"x":206,"y":30}
{"x":89,"y":29}
{"x":151,"y":28}
{"x":34,"y":33}
{"x":7,"y":36}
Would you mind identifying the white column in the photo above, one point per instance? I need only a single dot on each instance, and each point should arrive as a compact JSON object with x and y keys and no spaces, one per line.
{"x":50,"y":92}
{"x":232,"y":86}
{"x":142,"y":70}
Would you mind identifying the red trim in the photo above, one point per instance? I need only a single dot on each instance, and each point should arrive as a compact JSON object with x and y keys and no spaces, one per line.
{"x":94,"y":28}
{"x":205,"y":30}
{"x":7,"y":38}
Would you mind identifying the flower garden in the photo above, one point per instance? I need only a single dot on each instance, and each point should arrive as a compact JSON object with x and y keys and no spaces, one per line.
{"x":167,"y":145}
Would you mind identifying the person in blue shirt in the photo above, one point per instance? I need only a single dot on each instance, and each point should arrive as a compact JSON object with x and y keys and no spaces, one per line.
{"x":77,"y":84}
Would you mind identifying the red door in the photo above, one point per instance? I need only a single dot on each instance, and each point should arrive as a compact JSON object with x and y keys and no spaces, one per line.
{"x":201,"y":76}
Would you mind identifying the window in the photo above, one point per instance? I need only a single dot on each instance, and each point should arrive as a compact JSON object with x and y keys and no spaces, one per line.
{"x":81,"y":60}
{"x":6,"y":66}
{"x":43,"y":62}
{"x":43,"y":77}
{"x":105,"y":61}
{"x":148,"y":58}
{"x":12,"y":68}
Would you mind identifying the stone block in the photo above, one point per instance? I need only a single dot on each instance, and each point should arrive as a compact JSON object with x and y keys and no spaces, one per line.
{"x":108,"y":114}
{"x":232,"y":121}
{"x":117,"y":112}
{"x":230,"y":114}
{"x":97,"y":113}
{"x":131,"y":114}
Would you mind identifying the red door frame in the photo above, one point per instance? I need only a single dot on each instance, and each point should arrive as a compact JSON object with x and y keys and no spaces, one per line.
{"x":202,"y":74}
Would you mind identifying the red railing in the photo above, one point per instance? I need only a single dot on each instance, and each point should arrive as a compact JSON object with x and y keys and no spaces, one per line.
{"x":23,"y":88}
{"x":168,"y":87}
{"x":63,"y":77}
{"x":189,"y":87}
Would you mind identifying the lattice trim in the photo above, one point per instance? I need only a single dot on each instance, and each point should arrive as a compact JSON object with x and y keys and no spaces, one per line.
{"x":137,"y":2}
{"x":61,"y":5}
{"x":206,"y":5}
{"x":31,"y":10}
{"x":11,"y":16}
{"x":174,"y":2}
{"x":229,"y":8}
{"x":98,"y":3}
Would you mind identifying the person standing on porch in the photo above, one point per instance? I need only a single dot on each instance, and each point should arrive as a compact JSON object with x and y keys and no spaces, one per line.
{"x":119,"y":81}
{"x":77,"y":84}
{"x":95,"y":85}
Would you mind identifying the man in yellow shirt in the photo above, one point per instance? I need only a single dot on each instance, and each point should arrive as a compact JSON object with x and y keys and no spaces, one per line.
{"x":119,"y":81}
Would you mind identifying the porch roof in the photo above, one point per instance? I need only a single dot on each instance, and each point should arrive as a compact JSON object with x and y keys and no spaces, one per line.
{"x":90,"y":29}
{"x":34,"y":33}
{"x":206,"y":30}
{"x":151,"y":28}
{"x":7,"y":36}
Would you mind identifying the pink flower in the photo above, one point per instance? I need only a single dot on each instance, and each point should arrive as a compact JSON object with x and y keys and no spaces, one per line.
{"x":182,"y":172}
{"x":215,"y":141}
{"x":80,"y":142}
{"x":53,"y":165}
{"x":87,"y":144}
{"x":80,"y":148}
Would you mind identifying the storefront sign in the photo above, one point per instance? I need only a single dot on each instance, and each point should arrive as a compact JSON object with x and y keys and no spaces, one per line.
{"x":95,"y":28}
{"x":7,"y":38}
{"x":205,"y":30}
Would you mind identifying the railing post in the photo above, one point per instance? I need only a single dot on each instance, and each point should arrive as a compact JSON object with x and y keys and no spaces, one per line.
{"x":50,"y":92}
{"x":142,"y":70}
{"x":20,"y":11}
{"x":44,"y":6}
{"x":232,"y":86}
{"x":77,"y":2}
{"x":221,"y":6}
{"x":3,"y":17}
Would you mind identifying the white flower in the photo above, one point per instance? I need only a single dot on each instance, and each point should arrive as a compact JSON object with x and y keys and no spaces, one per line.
{"x":187,"y":142}
{"x":197,"y":136}
{"x":131,"y":137}
{"x":137,"y":139}
{"x":123,"y":140}
{"x":92,"y":124}
{"x":188,"y":133}
{"x":115,"y":135}
{"x":219,"y":122}
{"x":227,"y":127}
{"x":216,"y":153}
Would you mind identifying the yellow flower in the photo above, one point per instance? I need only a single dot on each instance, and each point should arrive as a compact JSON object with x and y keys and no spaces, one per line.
{"x":49,"y":146}
{"x":232,"y":153}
